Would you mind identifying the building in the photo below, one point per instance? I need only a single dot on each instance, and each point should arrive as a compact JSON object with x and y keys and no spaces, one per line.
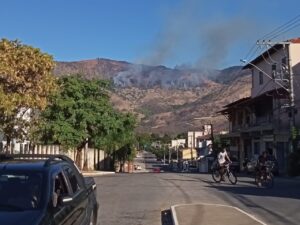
{"x":262,"y":121}
{"x":178,"y":143}
{"x":200,"y":139}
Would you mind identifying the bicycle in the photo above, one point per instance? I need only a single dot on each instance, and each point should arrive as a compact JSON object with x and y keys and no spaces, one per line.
{"x":265,"y":178}
{"x":217,"y":176}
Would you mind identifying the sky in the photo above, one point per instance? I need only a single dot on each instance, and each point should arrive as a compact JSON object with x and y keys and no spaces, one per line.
{"x":212,"y":33}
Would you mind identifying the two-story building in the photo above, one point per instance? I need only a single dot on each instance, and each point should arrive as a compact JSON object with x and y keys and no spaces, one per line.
{"x":262,"y":121}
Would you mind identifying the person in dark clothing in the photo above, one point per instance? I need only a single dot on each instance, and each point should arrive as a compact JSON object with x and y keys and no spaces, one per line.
{"x":261,"y":166}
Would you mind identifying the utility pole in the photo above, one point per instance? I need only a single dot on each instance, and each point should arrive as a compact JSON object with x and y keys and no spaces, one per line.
{"x":212,"y":133}
{"x":169,"y":155}
{"x":176,"y":147}
{"x":164,"y":146}
{"x":292,"y":99}
{"x":192,"y":145}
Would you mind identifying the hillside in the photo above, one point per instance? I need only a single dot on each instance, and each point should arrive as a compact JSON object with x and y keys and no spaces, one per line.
{"x":167,"y":100}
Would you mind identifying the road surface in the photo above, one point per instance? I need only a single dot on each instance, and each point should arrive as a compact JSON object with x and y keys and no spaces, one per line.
{"x":145,"y":198}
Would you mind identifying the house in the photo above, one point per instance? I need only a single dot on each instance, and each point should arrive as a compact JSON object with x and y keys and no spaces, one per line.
{"x":176,"y":143}
{"x":200,"y":139}
{"x":262,"y":121}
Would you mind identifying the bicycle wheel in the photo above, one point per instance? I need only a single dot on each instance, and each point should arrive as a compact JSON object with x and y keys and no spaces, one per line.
{"x":232,"y":177}
{"x":216,"y":176}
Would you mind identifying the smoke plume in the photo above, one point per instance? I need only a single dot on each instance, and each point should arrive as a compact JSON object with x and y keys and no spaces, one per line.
{"x":189,"y":27}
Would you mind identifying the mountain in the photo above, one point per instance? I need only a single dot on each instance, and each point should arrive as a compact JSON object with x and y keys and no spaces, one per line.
{"x":167,"y":100}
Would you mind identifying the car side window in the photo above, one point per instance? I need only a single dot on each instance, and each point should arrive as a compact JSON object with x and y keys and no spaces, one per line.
{"x":72,"y":178}
{"x":60,"y":187}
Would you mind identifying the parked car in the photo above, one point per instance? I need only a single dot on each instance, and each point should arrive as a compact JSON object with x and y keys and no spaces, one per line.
{"x":137,"y":167}
{"x":45,"y":190}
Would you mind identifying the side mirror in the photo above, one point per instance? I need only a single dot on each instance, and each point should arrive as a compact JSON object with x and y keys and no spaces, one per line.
{"x":59,"y":200}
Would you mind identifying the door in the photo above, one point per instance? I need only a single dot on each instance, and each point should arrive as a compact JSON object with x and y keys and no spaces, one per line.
{"x":281,"y":155}
{"x":79,"y":196}
{"x":61,"y":212}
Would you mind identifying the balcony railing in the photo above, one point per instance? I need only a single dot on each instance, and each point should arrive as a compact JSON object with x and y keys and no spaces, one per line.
{"x":259,"y":121}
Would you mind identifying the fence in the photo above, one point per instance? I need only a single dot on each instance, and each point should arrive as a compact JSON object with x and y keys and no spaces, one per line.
{"x":97,"y":159}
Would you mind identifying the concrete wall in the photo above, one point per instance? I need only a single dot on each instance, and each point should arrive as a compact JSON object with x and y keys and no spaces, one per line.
{"x":266,"y":66}
{"x":97,"y":159}
{"x":295,"y":61}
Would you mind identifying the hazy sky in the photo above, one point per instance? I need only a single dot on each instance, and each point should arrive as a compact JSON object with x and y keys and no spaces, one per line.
{"x":217,"y":33}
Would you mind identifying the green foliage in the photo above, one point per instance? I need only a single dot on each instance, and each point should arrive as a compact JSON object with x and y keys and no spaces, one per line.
{"x":182,"y":136}
{"x":26,"y":82}
{"x":81,"y":113}
{"x":75,"y":111}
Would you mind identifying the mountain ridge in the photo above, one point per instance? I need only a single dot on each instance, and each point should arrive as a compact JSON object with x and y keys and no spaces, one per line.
{"x":166,"y":100}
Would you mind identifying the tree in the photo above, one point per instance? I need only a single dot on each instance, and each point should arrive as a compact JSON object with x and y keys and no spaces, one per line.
{"x":81,"y":113}
{"x":77,"y":113}
{"x":26,"y":82}
{"x":120,"y":137}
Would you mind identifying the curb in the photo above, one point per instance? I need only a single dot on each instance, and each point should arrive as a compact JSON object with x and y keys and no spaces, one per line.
{"x":174,"y":215}
{"x":175,"y":220}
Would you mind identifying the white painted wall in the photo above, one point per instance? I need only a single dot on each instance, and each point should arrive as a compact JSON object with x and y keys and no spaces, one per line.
{"x":178,"y":142}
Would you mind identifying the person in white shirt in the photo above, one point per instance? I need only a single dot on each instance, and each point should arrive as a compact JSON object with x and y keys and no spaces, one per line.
{"x":223,"y":158}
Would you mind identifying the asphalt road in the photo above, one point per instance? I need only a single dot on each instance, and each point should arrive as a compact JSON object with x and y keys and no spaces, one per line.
{"x":145,"y":198}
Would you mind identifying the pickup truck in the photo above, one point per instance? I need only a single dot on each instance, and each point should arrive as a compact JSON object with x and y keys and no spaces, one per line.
{"x":45,"y":190}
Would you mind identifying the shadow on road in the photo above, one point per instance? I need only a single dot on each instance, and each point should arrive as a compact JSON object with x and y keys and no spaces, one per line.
{"x":280,"y":189}
{"x":166,"y":217}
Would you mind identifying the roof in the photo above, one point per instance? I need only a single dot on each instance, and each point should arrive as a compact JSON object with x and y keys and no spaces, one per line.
{"x":29,"y":161}
{"x":236,"y":103}
{"x":279,"y":93}
{"x":22,"y":165}
{"x":269,"y":52}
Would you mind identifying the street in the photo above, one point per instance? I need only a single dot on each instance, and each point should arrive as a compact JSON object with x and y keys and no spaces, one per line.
{"x":145,"y":198}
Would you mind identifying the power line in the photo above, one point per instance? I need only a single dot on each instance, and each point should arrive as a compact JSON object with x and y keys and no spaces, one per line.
{"x":293,"y":27}
{"x":281,"y":27}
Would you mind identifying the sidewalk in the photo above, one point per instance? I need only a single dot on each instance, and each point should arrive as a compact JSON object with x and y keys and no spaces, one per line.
{"x":96,"y":173}
{"x":212,"y":214}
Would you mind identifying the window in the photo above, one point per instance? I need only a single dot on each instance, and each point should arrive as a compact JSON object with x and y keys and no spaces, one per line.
{"x":256,"y":148}
{"x":261,"y":78}
{"x":21,"y":190}
{"x":284,"y":67}
{"x":240,"y":118}
{"x":72,"y":178}
{"x":60,"y":187}
{"x":274,"y":71}
{"x":252,"y":73}
{"x":283,"y":62}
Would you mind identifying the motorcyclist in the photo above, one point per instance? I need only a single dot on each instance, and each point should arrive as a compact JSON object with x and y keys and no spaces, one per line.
{"x":261,"y":166}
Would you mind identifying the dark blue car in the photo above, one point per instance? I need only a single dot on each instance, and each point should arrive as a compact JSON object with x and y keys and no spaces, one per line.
{"x":45,"y":189}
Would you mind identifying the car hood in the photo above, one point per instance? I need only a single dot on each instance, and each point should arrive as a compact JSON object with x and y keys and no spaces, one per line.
{"x":30,"y":217}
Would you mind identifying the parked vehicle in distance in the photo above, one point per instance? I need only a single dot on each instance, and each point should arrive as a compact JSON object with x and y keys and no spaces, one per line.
{"x":137,"y":167}
{"x":45,"y":190}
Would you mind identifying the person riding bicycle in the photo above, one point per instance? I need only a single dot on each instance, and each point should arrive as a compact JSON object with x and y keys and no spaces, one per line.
{"x":223,"y":159}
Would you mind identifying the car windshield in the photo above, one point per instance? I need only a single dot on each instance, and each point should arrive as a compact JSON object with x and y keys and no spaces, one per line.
{"x":20,"y":190}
